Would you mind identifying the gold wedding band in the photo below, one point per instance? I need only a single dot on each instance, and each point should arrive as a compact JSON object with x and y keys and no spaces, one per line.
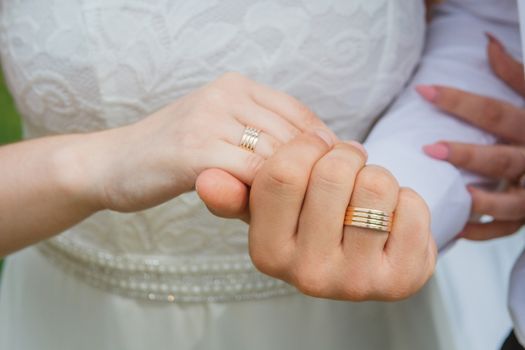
{"x":369,"y":218}
{"x":249,"y":139}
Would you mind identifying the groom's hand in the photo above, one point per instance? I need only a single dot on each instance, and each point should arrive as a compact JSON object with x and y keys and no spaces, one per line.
{"x":298,"y":203}
{"x":224,"y":195}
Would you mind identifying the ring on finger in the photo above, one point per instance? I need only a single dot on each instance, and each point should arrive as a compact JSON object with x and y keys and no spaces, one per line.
{"x":369,"y":218}
{"x":249,"y":138}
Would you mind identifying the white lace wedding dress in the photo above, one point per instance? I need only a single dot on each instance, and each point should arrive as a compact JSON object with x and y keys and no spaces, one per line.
{"x":175,"y":276}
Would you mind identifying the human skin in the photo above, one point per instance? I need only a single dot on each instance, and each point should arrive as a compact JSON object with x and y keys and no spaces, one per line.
{"x":52,"y":183}
{"x":298,"y":202}
{"x":302,"y":180}
{"x":505,"y":161}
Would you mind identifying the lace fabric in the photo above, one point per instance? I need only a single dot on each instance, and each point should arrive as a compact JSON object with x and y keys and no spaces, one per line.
{"x":80,"y":66}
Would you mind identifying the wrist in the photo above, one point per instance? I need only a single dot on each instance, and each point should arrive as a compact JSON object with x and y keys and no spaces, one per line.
{"x":71,"y":167}
{"x":127,"y":169}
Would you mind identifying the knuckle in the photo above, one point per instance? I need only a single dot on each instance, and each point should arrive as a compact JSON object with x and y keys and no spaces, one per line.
{"x":274,"y":145}
{"x":376,"y":181}
{"x":336,"y":169}
{"x":492,"y":112}
{"x":399,"y":291}
{"x":284,"y":174}
{"x":309,"y":279}
{"x":357,"y":289}
{"x":267,"y":261}
{"x":213,"y":96}
{"x":397,"y":285}
{"x":290,"y":133}
{"x":416,"y":202}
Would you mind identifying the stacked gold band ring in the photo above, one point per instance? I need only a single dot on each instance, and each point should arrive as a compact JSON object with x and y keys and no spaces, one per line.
{"x":369,"y":218}
{"x":249,"y":139}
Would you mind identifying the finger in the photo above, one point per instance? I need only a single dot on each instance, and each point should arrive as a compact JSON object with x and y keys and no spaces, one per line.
{"x":329,"y":191}
{"x":505,"y":66}
{"x":251,"y":114}
{"x":374,"y":188}
{"x":495,"y":229}
{"x":223,"y":194}
{"x":497,"y":117}
{"x":240,"y":163}
{"x":410,"y":244}
{"x":508,"y":205}
{"x":495,"y":161}
{"x":287,"y":106}
{"x":266,"y":144}
{"x":277,"y":197}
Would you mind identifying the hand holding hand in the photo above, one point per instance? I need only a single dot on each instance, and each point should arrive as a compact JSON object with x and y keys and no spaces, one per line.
{"x":149,"y":162}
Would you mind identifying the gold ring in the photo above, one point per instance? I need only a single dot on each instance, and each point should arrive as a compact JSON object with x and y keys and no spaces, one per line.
{"x":249,"y":139}
{"x":369,"y":218}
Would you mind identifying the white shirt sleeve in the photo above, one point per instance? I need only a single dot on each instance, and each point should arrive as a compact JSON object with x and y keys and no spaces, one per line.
{"x":455,"y":55}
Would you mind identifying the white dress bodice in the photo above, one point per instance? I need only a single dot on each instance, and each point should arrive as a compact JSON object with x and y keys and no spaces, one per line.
{"x":79,"y":66}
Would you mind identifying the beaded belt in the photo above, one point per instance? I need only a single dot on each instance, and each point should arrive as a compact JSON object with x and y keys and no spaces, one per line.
{"x":215,"y":280}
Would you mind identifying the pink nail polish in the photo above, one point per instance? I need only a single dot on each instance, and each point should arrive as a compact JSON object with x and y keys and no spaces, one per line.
{"x":438,"y":150}
{"x":428,"y":92}
{"x":495,"y":41}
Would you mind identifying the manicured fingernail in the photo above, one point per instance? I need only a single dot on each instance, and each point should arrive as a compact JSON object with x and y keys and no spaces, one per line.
{"x":461,"y":235}
{"x":471,"y":189}
{"x":358,"y":146}
{"x":325,"y":135}
{"x":495,"y":41}
{"x":438,"y":150}
{"x":428,"y":92}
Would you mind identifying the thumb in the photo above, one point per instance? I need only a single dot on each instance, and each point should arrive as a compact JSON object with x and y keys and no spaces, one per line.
{"x":224,"y":195}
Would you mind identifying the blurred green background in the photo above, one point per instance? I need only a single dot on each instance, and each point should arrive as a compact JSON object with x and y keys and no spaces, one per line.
{"x":10,"y":129}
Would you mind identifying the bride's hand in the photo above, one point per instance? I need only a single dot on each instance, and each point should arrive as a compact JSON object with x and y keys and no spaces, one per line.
{"x":298,"y":203}
{"x":146,"y":163}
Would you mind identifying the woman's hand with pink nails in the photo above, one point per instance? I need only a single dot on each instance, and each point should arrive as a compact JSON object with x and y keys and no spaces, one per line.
{"x":503,"y":161}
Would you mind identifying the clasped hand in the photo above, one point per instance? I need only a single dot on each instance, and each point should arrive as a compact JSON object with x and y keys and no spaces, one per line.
{"x":302,"y":181}
{"x":297,"y":207}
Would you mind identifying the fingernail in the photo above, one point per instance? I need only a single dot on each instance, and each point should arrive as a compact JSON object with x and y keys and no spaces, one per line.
{"x":495,"y":41}
{"x":460,"y":235}
{"x":325,"y":135}
{"x":471,"y":189}
{"x":358,"y":146}
{"x":428,"y":92}
{"x":438,"y":150}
